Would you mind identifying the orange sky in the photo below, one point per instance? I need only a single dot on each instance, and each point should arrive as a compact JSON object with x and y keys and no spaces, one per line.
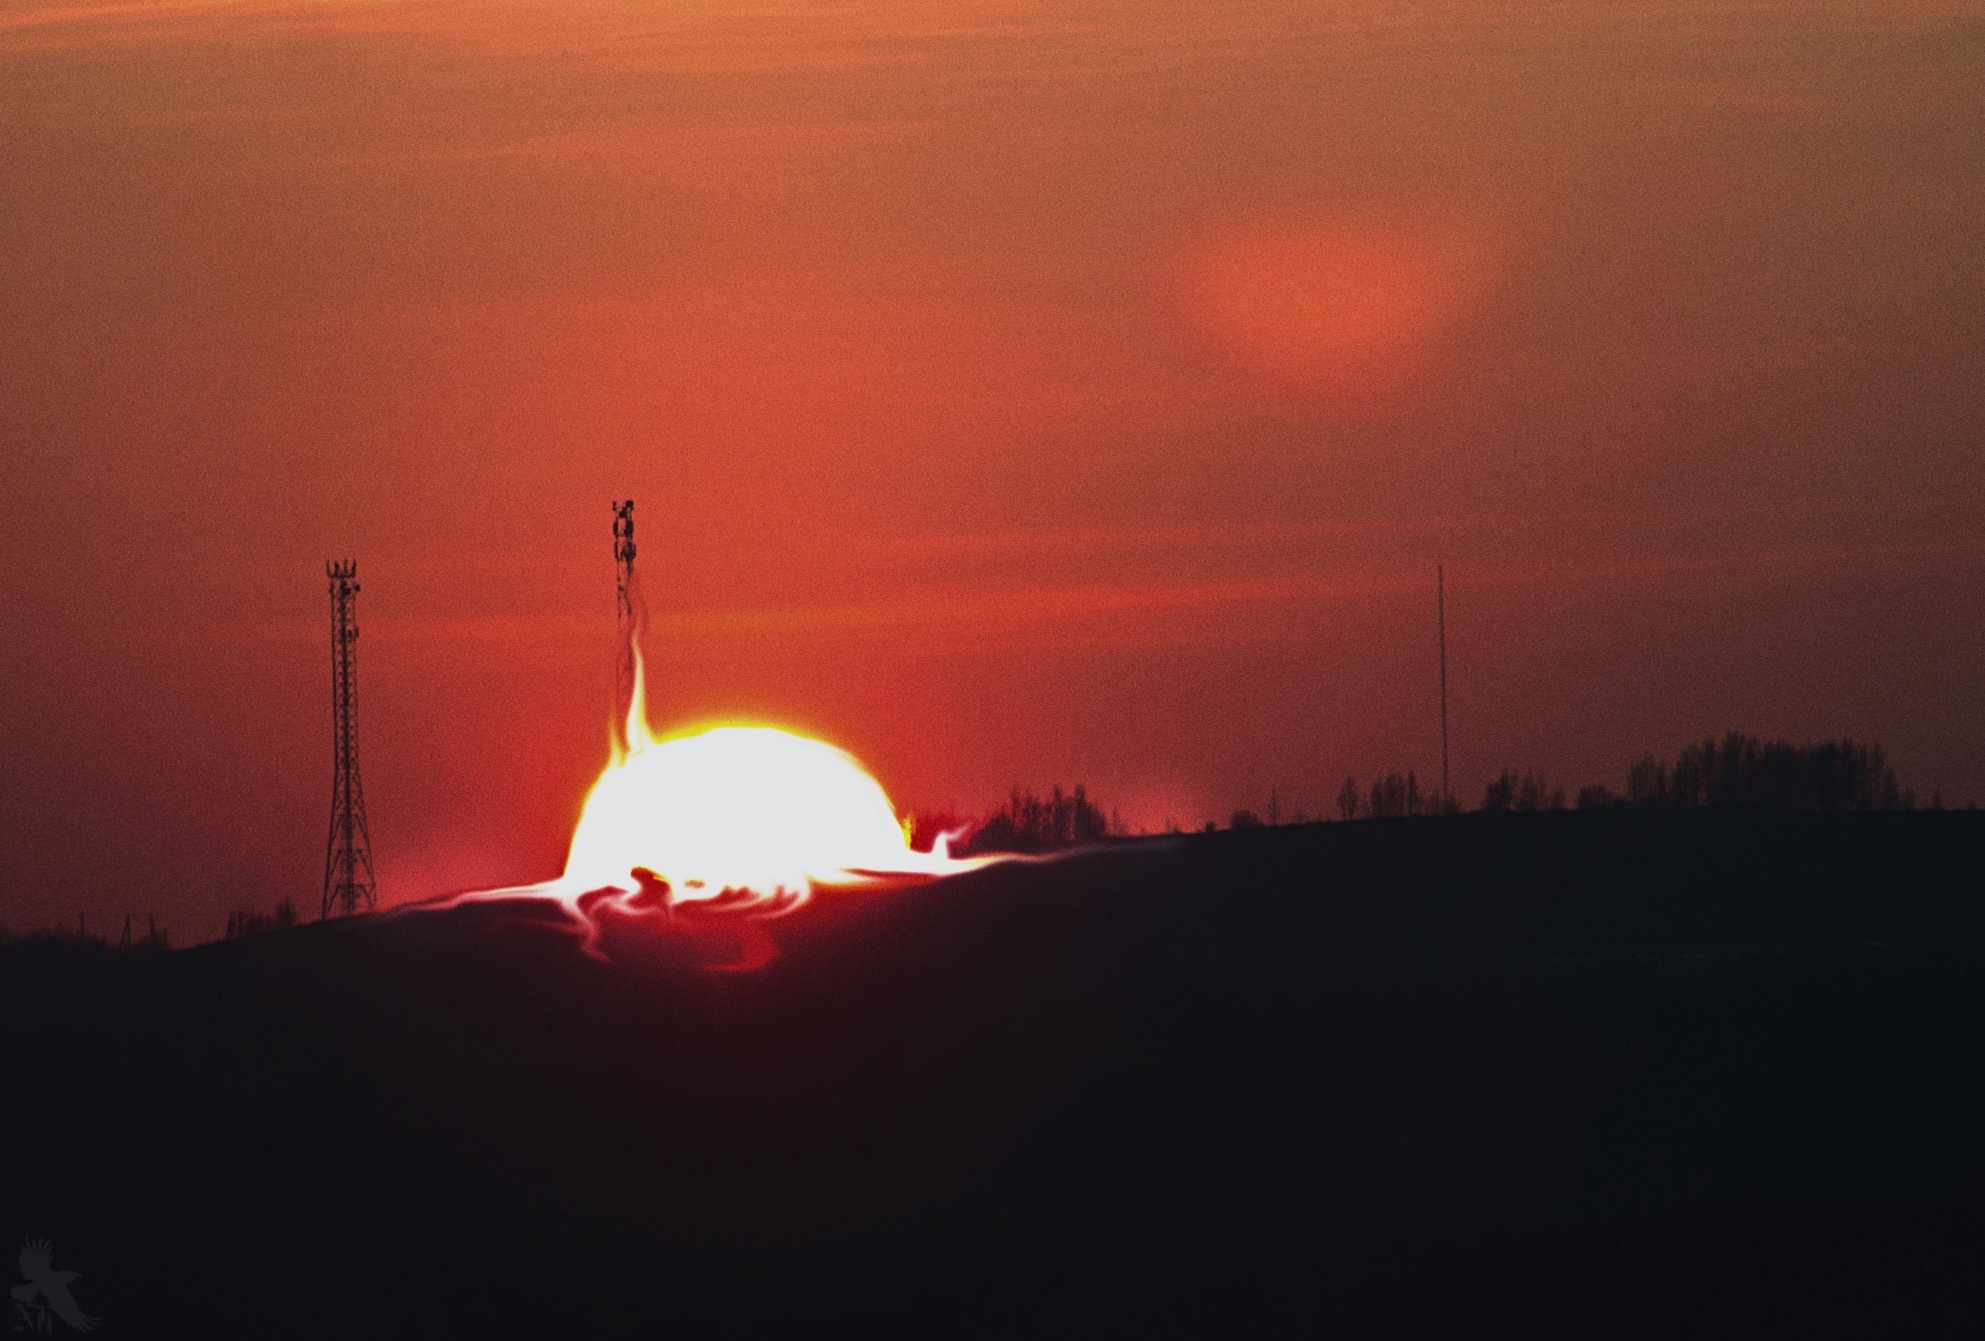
{"x":1011,"y":392}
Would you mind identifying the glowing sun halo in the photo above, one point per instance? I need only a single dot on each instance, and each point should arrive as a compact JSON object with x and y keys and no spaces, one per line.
{"x":734,"y":823}
{"x":740,"y":808}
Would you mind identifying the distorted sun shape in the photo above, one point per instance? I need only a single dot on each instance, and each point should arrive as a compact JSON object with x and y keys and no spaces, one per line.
{"x":741,"y":808}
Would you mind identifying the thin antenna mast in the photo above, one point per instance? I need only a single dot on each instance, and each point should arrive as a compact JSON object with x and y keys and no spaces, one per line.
{"x":625,"y":629}
{"x":1440,"y":607}
{"x":348,"y":879}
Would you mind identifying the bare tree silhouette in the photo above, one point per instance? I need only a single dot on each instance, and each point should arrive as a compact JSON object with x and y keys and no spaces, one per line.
{"x":1395,"y":796}
{"x":1740,"y":770}
{"x":250,"y":922}
{"x":1030,"y":823}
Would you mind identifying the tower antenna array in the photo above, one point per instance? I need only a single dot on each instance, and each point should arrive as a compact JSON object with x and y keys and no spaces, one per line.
{"x":624,"y":627}
{"x":348,"y":879}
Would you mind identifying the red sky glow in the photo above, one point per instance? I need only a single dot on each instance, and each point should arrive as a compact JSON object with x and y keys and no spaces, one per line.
{"x":1012,"y":393}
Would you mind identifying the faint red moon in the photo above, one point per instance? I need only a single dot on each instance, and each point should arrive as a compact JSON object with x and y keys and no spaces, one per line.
{"x":1350,"y":306}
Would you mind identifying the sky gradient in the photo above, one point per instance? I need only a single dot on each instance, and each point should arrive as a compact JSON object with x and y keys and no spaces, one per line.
{"x":1010,"y":392}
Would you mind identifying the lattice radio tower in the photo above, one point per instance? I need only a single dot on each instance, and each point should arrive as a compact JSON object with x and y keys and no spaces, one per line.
{"x":625,"y":629}
{"x":348,"y":879}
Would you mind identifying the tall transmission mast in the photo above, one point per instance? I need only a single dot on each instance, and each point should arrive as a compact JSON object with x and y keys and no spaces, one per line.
{"x":348,"y":879}
{"x":625,"y":629}
{"x":1440,"y":609}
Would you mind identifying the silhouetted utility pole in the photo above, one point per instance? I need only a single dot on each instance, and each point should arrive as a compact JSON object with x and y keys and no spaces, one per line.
{"x":1440,"y":615}
{"x":348,"y":879}
{"x":624,"y":625}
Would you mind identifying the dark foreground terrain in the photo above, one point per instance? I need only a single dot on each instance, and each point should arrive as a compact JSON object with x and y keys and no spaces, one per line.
{"x":1615,"y":1073}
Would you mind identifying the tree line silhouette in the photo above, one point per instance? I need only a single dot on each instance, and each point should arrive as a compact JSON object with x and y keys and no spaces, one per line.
{"x":1391,"y":796}
{"x":253,"y":922}
{"x":154,"y":938}
{"x":1030,"y":823}
{"x":1736,"y":771}
{"x":1827,"y":777}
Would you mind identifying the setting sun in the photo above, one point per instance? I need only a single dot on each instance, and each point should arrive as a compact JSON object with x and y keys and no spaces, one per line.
{"x":740,"y":808}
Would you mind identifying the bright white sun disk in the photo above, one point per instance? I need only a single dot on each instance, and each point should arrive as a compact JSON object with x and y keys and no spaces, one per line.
{"x":741,"y":808}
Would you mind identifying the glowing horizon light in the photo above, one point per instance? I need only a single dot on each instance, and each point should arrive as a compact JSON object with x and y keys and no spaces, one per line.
{"x":741,"y":808}
{"x":732,"y":824}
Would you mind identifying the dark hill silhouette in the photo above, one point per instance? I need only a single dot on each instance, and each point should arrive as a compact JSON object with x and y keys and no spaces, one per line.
{"x":1598,"y":1073}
